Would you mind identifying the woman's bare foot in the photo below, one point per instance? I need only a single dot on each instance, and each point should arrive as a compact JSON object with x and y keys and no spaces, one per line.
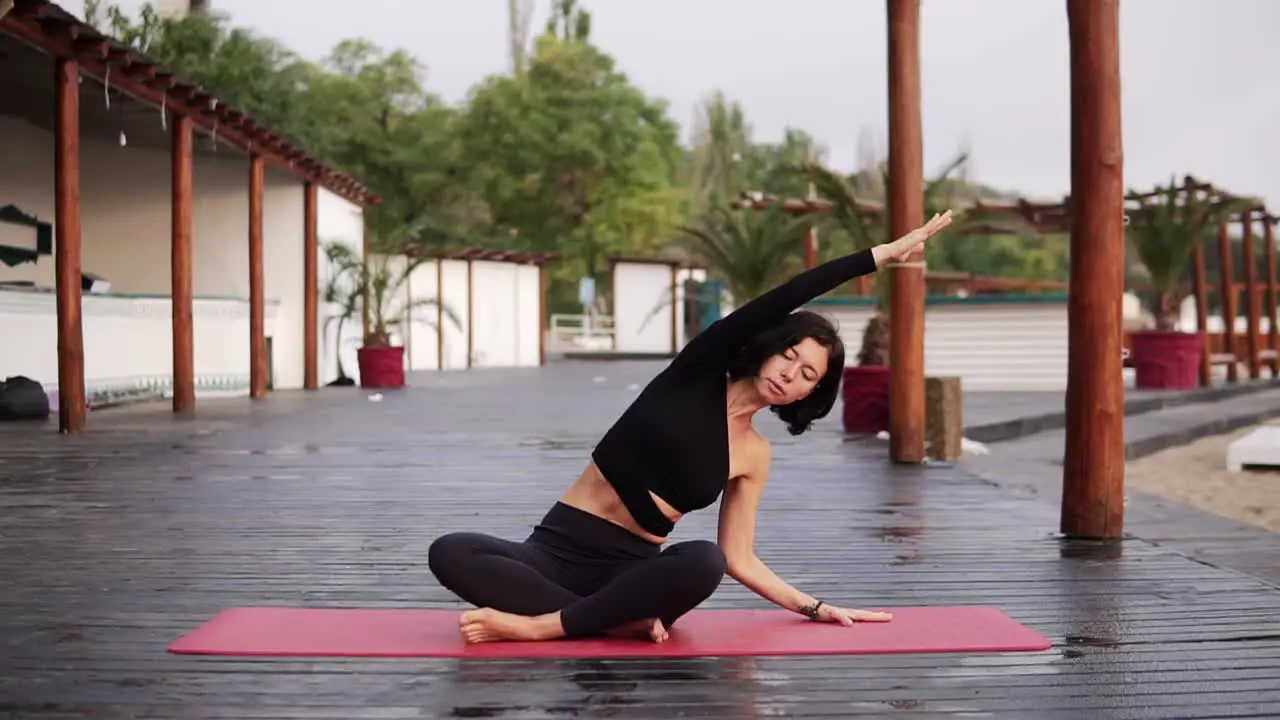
{"x":489,"y":625}
{"x":650,"y":629}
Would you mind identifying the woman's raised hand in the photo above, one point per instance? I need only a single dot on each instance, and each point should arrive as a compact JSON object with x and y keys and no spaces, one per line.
{"x":899,"y":249}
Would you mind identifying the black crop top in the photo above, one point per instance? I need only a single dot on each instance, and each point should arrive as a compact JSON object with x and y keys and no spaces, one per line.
{"x":674,"y":438}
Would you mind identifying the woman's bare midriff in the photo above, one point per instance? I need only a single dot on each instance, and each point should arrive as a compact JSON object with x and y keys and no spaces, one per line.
{"x":592,"y":493}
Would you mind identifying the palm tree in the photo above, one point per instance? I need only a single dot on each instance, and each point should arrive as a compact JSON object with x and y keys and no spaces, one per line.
{"x":359,"y":285}
{"x":750,"y":251}
{"x":1163,"y":230}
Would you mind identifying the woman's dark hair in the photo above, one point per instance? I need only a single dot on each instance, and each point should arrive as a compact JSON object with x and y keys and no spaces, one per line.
{"x":797,"y":326}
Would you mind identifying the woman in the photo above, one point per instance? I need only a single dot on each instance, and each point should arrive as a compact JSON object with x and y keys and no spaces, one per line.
{"x":596,"y":563}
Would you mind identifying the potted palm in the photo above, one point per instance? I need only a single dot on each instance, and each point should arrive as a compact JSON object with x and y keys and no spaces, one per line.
{"x":749,"y":252}
{"x":1163,"y":230}
{"x":373,"y":286}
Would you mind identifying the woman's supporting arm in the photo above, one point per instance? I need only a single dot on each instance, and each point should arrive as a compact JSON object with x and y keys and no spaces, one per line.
{"x":736,"y":538}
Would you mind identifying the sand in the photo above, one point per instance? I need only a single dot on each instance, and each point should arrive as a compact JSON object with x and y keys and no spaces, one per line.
{"x":1195,"y":475}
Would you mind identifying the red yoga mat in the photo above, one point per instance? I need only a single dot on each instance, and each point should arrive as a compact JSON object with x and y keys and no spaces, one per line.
{"x":337,"y":632}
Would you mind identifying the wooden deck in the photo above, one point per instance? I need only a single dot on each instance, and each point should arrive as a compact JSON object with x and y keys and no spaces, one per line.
{"x":114,"y":544}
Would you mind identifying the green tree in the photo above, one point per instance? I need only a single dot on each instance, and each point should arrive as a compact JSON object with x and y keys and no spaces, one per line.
{"x":571,"y":157}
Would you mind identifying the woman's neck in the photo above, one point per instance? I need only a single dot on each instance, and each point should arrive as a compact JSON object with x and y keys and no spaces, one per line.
{"x":743,"y":400}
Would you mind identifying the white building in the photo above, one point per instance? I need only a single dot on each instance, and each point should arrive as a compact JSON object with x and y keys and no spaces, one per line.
{"x":143,"y":188}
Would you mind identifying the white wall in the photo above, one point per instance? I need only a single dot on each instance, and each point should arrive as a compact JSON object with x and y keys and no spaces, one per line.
{"x":128,"y":342}
{"x":341,"y":221}
{"x":495,"y":340}
{"x":125,"y":208}
{"x":529,"y":324}
{"x":421,"y":347}
{"x":642,"y":309}
{"x":989,"y":345}
{"x":505,"y":321}
{"x":457,"y":287}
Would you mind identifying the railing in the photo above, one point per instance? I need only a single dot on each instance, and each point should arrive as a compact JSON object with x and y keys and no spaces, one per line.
{"x":580,"y":332}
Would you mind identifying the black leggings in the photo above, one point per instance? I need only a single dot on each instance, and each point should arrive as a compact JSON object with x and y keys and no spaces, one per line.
{"x":596,"y":573}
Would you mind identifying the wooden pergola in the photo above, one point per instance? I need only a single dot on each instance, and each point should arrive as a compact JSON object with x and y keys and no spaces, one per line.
{"x":1093,"y":468}
{"x":1226,"y":348}
{"x":80,"y":51}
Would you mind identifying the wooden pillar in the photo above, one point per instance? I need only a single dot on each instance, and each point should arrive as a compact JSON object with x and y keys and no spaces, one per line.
{"x":184,"y":361}
{"x":1200,"y":289}
{"x":906,"y":212}
{"x":1273,"y":333}
{"x":1094,"y":457}
{"x":1227,"y":294}
{"x":66,"y":249}
{"x":811,"y":236}
{"x":1252,"y":324}
{"x":310,"y":306}
{"x":675,"y":308}
{"x":257,"y":292}
{"x":471,"y":335}
{"x":542,"y":314}
{"x":366,"y":317}
{"x":440,"y":313}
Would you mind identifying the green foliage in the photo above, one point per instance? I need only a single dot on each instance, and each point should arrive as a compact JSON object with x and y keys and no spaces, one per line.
{"x":571,"y":157}
{"x":752,"y":251}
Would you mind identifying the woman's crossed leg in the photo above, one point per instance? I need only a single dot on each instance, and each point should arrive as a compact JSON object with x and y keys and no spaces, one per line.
{"x":520,"y":591}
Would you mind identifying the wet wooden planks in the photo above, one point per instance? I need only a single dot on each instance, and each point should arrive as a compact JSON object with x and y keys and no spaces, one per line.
{"x":114,"y":545}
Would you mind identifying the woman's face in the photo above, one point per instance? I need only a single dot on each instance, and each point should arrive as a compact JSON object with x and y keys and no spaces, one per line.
{"x":793,"y":373}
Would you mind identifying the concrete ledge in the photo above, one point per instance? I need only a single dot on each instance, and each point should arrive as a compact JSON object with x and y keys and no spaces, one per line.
{"x":614,"y":355}
{"x":1033,"y":424}
{"x":1156,"y":442}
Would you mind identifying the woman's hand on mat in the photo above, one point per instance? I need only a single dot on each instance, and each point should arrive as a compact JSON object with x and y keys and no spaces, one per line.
{"x":847,"y":616}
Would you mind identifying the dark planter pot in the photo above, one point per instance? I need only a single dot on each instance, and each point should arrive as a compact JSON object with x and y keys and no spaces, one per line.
{"x":865,"y":392}
{"x":381,"y":367}
{"x":1165,"y":360}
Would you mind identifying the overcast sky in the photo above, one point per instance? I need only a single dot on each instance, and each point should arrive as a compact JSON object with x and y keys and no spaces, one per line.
{"x":1199,"y":77}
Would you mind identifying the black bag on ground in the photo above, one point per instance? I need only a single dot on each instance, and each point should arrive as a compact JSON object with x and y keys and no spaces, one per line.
{"x":22,"y":398}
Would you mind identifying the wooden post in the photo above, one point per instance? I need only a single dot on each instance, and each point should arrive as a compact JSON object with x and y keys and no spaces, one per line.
{"x":1227,"y":293}
{"x":1200,"y":289}
{"x":675,"y":308}
{"x":184,"y":368}
{"x":1252,"y":324}
{"x":811,"y":237}
{"x":1093,"y":462}
{"x":906,"y":212}
{"x":366,"y":317}
{"x":440,"y":313}
{"x":471,"y":339}
{"x":310,"y":306}
{"x":66,"y":249}
{"x":1273,"y":333}
{"x":945,"y":412}
{"x":542,"y":314}
{"x":257,"y":292}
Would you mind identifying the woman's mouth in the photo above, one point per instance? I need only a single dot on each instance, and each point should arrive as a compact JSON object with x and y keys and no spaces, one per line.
{"x":775,"y":388}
